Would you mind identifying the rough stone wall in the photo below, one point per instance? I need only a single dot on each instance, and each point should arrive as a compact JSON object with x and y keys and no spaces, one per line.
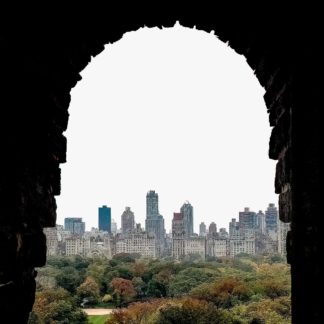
{"x":41,"y":62}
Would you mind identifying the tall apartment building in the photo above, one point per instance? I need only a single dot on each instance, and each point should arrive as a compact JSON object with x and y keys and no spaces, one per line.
{"x":248,"y":220}
{"x":154,"y":222}
{"x":271,"y":218}
{"x":202,"y":229}
{"x":74,"y":225}
{"x":212,"y":230}
{"x":187,"y":212}
{"x":104,"y":218}
{"x":234,"y":229}
{"x":261,"y":222}
{"x":223,"y":233}
{"x":113,"y":227}
{"x":183,"y":245}
{"x":127,"y":221}
{"x":178,"y":236}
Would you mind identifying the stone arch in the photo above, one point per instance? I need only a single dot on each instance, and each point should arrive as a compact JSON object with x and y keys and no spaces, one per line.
{"x":37,"y":75}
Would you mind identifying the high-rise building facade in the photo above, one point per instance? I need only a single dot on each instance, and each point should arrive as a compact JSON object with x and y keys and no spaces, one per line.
{"x":154,"y":223}
{"x":212,"y":230}
{"x":261,"y":222}
{"x":223,"y":233}
{"x":113,"y":227}
{"x":152,"y":204}
{"x":271,"y":218}
{"x":127,"y":221}
{"x":202,"y":229}
{"x":178,"y":226}
{"x":74,"y":225}
{"x":187,"y":212}
{"x":178,"y":235}
{"x":234,"y":229}
{"x":248,"y":220}
{"x":104,"y":219}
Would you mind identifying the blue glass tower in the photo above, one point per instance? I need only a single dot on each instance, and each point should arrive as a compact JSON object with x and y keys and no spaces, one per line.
{"x":104,"y":219}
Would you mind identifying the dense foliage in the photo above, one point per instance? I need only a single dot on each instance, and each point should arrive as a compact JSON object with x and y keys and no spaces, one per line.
{"x":240,"y":290}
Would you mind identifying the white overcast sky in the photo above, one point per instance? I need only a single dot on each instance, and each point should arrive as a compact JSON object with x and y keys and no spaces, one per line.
{"x":173,"y":110}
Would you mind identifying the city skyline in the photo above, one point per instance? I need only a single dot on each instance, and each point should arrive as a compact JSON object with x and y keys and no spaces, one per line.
{"x":174,"y":110}
{"x":168,"y":227}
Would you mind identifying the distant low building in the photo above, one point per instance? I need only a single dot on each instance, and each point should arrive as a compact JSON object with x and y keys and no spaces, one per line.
{"x":77,"y":245}
{"x":103,"y":248}
{"x":74,"y":225}
{"x":217,"y":247}
{"x":51,"y":240}
{"x":139,"y":242}
{"x":195,"y":246}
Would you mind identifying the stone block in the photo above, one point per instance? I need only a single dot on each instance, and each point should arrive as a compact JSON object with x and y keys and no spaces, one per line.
{"x":280,"y":136}
{"x":283,"y":171}
{"x":285,"y":205}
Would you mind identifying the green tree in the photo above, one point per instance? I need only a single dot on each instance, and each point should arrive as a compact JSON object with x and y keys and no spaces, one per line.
{"x":267,"y":311}
{"x":69,"y":279}
{"x":89,"y":289}
{"x":224,"y":293}
{"x":155,"y":289}
{"x":123,"y":291}
{"x":188,"y":279}
{"x":57,"y":306}
{"x":192,"y":311}
{"x":139,"y":286}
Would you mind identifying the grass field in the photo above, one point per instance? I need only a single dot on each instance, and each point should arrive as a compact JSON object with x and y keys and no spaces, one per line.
{"x":97,"y":319}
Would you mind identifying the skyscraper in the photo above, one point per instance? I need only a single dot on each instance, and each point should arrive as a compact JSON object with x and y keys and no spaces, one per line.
{"x":178,"y":226}
{"x":187,"y":212}
{"x":127,"y":220}
{"x":178,"y":236}
{"x":212,"y":230}
{"x":234,"y":229}
{"x":248,"y":219}
{"x":154,"y":223}
{"x":271,"y":218}
{"x":261,"y":222}
{"x":202,"y":229}
{"x":74,"y":225}
{"x":152,"y":204}
{"x":104,"y":218}
{"x":113,"y":227}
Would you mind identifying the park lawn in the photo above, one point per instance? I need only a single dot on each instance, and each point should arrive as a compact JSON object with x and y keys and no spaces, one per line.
{"x":98,"y":319}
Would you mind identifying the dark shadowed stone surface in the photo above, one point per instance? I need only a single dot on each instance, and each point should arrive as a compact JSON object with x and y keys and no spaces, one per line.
{"x":41,"y":60}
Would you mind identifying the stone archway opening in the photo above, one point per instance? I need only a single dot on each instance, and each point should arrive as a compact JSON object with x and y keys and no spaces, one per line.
{"x":150,"y":110}
{"x":110,"y":120}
